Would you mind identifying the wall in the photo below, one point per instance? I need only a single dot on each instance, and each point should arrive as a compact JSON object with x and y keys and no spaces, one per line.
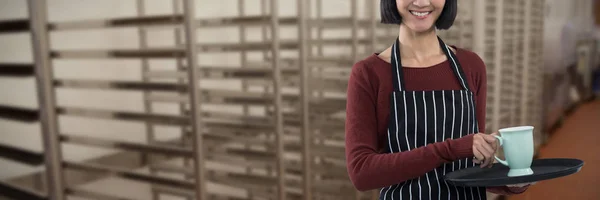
{"x":565,"y":23}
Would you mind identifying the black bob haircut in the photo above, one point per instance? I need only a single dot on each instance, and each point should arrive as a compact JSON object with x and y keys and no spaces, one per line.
{"x":390,"y":14}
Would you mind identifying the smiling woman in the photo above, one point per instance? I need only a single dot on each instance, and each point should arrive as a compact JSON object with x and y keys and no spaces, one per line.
{"x":415,"y":110}
{"x":434,"y":11}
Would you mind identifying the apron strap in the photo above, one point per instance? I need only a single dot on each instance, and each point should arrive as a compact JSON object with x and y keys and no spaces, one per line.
{"x":456,"y":68}
{"x":398,"y":76}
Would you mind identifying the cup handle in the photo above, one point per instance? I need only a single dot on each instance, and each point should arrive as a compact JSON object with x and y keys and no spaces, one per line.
{"x":496,"y":157}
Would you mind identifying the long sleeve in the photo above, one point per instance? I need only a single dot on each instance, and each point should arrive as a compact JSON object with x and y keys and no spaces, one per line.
{"x":480,"y":78}
{"x":368,"y":168}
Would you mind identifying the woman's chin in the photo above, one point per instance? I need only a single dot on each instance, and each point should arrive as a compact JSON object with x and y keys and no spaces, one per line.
{"x":421,"y":28}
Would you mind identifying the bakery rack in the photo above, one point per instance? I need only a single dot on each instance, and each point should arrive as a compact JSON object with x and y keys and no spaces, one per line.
{"x":50,"y":59}
{"x":268,"y":143}
{"x":534,"y":76}
{"x":45,"y":187}
{"x":507,"y":37}
{"x":326,"y":77}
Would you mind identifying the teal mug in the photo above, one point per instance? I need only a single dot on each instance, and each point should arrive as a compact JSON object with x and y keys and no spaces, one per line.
{"x":517,"y":143}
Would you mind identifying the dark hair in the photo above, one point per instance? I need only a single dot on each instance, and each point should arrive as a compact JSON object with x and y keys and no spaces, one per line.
{"x":390,"y":14}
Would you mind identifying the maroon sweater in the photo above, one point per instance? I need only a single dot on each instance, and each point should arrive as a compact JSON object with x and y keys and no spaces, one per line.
{"x":369,"y":88}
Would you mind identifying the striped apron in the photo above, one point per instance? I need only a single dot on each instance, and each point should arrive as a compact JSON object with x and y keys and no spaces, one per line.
{"x":418,"y":118}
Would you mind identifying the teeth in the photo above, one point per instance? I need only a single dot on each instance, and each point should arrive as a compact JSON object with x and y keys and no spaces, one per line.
{"x":420,"y":14}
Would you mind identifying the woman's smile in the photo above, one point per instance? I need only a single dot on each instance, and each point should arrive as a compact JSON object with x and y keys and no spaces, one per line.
{"x":420,"y":14}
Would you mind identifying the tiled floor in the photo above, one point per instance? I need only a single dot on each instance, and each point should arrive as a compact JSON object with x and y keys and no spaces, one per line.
{"x":579,"y":137}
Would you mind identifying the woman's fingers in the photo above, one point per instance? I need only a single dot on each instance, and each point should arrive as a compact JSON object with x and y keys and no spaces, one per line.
{"x":478,"y":157}
{"x":522,"y":185}
{"x":488,"y":149}
{"x":487,"y":152}
{"x":489,"y":160}
{"x":493,"y":141}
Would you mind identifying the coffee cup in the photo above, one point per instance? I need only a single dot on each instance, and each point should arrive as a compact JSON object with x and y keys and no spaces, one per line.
{"x":517,"y":143}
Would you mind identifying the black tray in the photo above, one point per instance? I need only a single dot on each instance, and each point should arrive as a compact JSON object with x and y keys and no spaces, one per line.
{"x":497,"y":175}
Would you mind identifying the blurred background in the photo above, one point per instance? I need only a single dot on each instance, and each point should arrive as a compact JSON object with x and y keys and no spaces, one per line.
{"x":95,"y":95}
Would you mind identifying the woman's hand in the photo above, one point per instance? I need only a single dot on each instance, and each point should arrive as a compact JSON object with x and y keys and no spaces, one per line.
{"x":522,"y":185}
{"x":484,"y":148}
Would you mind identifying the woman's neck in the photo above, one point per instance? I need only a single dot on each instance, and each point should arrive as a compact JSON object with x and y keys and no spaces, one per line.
{"x":418,"y":46}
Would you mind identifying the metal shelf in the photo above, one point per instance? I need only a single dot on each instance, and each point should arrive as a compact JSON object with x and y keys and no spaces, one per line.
{"x":128,"y":146}
{"x":16,"y":192}
{"x":127,"y":174}
{"x":118,"y":53}
{"x":39,"y":115}
{"x":21,"y":155}
{"x":18,"y":114}
{"x":125,"y":116}
{"x":14,"y":26}
{"x":120,"y":85}
{"x":77,"y":192}
{"x":16,"y":70}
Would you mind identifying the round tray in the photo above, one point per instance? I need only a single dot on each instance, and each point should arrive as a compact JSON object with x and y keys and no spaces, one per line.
{"x":497,"y":175}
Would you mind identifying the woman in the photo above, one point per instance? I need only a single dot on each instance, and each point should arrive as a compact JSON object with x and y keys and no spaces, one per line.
{"x":416,"y":110}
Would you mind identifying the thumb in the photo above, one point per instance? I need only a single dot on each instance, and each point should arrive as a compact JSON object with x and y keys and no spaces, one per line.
{"x":490,"y":138}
